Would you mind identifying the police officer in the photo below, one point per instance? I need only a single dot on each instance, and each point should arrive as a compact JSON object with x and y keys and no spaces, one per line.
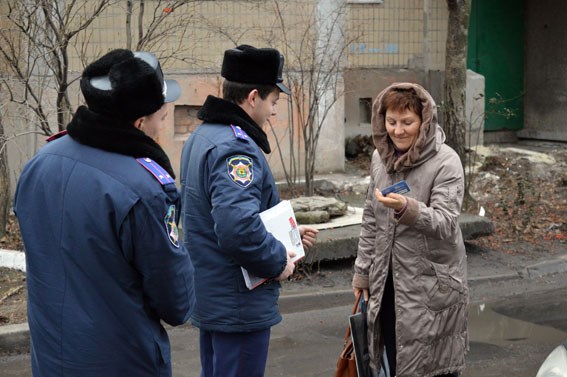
{"x":226,"y":182}
{"x":98,"y":211}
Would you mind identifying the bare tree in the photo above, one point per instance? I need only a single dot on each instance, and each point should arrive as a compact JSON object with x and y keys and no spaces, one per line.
{"x":34,"y":51}
{"x":456,"y":75}
{"x":36,"y":41}
{"x":35,"y":47}
{"x":4,"y":183}
{"x":316,"y":77}
{"x":157,"y":24}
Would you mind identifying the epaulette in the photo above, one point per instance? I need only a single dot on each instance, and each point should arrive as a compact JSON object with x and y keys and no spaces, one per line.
{"x":56,"y":136}
{"x":239,"y":132}
{"x":157,"y":171}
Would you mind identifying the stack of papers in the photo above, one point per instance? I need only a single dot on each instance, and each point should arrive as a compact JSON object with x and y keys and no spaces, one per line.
{"x":280,"y":221}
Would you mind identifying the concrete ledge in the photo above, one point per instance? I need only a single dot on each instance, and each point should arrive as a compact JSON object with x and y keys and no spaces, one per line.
{"x":14,"y":338}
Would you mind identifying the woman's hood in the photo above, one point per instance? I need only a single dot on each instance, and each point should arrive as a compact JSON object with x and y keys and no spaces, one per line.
{"x":428,"y":141}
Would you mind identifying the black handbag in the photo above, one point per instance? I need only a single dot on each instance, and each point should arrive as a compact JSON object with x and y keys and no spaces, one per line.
{"x":359,"y":337}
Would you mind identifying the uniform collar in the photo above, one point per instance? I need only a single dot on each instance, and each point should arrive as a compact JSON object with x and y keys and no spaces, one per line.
{"x":217,"y":110}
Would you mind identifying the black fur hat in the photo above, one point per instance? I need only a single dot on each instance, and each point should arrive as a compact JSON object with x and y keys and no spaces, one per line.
{"x":251,"y":65}
{"x":127,"y":85}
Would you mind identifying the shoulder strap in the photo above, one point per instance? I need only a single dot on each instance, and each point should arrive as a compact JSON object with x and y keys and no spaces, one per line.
{"x":354,"y":310}
{"x":239,"y":132}
{"x":157,"y":171}
{"x":56,"y":136}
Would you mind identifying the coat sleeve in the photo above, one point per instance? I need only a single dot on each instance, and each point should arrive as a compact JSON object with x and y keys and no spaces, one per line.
{"x":439,"y":219}
{"x":161,"y":260}
{"x":236,"y":205}
{"x":366,"y":241}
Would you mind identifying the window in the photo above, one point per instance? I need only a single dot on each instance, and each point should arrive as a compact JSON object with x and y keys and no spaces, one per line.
{"x":365,"y":110}
{"x":185,"y":119}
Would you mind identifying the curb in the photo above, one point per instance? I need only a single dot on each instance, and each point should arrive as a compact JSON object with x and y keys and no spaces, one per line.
{"x":14,"y":338}
{"x":540,"y":269}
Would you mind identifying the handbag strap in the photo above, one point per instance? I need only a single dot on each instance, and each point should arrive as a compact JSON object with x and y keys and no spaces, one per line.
{"x":354,"y":310}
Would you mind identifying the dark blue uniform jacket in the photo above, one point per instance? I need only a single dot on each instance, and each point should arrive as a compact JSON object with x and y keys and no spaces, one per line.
{"x":104,"y":264}
{"x":226,"y":182}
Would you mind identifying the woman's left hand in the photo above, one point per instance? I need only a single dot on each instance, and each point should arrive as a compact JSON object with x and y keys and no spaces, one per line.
{"x":392,"y":200}
{"x":308,"y":235}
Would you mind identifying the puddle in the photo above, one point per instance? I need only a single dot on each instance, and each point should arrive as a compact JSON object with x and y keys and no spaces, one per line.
{"x":488,"y":326}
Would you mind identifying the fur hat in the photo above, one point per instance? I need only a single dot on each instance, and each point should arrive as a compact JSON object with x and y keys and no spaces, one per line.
{"x":127,"y":85}
{"x":251,"y":65}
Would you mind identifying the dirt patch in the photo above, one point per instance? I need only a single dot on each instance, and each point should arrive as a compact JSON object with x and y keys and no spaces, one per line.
{"x":12,"y":240}
{"x":13,"y":296}
{"x":525,"y":195}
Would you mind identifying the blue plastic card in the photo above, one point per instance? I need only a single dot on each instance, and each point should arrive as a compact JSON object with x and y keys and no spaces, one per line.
{"x":399,"y":188}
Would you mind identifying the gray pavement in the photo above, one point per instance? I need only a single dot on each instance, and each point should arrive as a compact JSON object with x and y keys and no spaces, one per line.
{"x":329,"y":286}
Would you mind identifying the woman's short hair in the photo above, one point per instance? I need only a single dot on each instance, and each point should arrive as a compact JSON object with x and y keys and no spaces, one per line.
{"x":401,"y":99}
{"x":237,"y":92}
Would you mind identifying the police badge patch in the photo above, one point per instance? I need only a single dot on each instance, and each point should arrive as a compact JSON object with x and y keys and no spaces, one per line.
{"x":240,"y":170}
{"x":171,"y":226}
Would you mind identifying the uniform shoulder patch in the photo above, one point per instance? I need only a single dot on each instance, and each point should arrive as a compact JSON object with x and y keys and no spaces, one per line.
{"x":239,"y":133}
{"x":157,"y":171}
{"x":171,"y":226}
{"x":240,"y":170}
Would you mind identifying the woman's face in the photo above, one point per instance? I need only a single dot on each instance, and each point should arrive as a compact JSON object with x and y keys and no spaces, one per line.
{"x":402,"y":127}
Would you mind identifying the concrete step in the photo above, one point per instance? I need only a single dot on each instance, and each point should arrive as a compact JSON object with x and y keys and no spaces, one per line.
{"x":342,"y":242}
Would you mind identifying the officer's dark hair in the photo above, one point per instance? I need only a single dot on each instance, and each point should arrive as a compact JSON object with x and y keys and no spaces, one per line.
{"x":236,"y":92}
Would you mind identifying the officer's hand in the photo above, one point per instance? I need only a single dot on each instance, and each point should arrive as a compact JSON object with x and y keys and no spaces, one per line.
{"x":308,"y":236}
{"x":290,"y":266}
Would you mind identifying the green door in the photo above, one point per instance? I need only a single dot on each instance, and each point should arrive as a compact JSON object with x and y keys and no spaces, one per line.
{"x":496,"y":51}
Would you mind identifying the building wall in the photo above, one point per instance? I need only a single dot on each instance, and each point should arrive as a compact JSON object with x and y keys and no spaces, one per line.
{"x":382,"y":43}
{"x":393,"y":41}
{"x":545,"y":103}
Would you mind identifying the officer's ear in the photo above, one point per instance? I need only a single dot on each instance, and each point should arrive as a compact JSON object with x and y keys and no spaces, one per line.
{"x":253,"y":97}
{"x":138,"y":123}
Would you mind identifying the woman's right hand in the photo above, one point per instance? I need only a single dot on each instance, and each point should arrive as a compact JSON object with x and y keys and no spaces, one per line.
{"x":364,"y":292}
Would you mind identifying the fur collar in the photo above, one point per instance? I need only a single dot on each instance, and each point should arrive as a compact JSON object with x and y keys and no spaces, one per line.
{"x":217,"y":110}
{"x":112,"y":135}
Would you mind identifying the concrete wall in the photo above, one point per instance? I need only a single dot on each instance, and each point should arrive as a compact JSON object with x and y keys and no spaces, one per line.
{"x":474,"y":109}
{"x":545,"y":104}
{"x":386,"y":42}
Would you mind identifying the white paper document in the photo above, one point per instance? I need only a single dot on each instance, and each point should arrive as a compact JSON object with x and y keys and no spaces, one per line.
{"x":280,"y":221}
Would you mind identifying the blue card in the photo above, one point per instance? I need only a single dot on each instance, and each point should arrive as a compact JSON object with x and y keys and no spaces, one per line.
{"x":399,"y":188}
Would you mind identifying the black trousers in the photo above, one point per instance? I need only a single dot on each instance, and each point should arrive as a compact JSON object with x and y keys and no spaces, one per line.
{"x":387,"y":323}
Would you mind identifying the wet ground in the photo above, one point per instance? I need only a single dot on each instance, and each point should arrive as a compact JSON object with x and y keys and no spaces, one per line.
{"x":510,"y":336}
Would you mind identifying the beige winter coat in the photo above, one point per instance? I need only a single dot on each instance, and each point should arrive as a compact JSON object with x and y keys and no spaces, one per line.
{"x":425,"y":247}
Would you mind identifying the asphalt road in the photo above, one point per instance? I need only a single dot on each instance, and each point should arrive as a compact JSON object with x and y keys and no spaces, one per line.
{"x":513,"y":326}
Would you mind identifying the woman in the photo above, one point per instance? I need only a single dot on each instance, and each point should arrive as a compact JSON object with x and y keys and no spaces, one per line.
{"x":411,"y":261}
